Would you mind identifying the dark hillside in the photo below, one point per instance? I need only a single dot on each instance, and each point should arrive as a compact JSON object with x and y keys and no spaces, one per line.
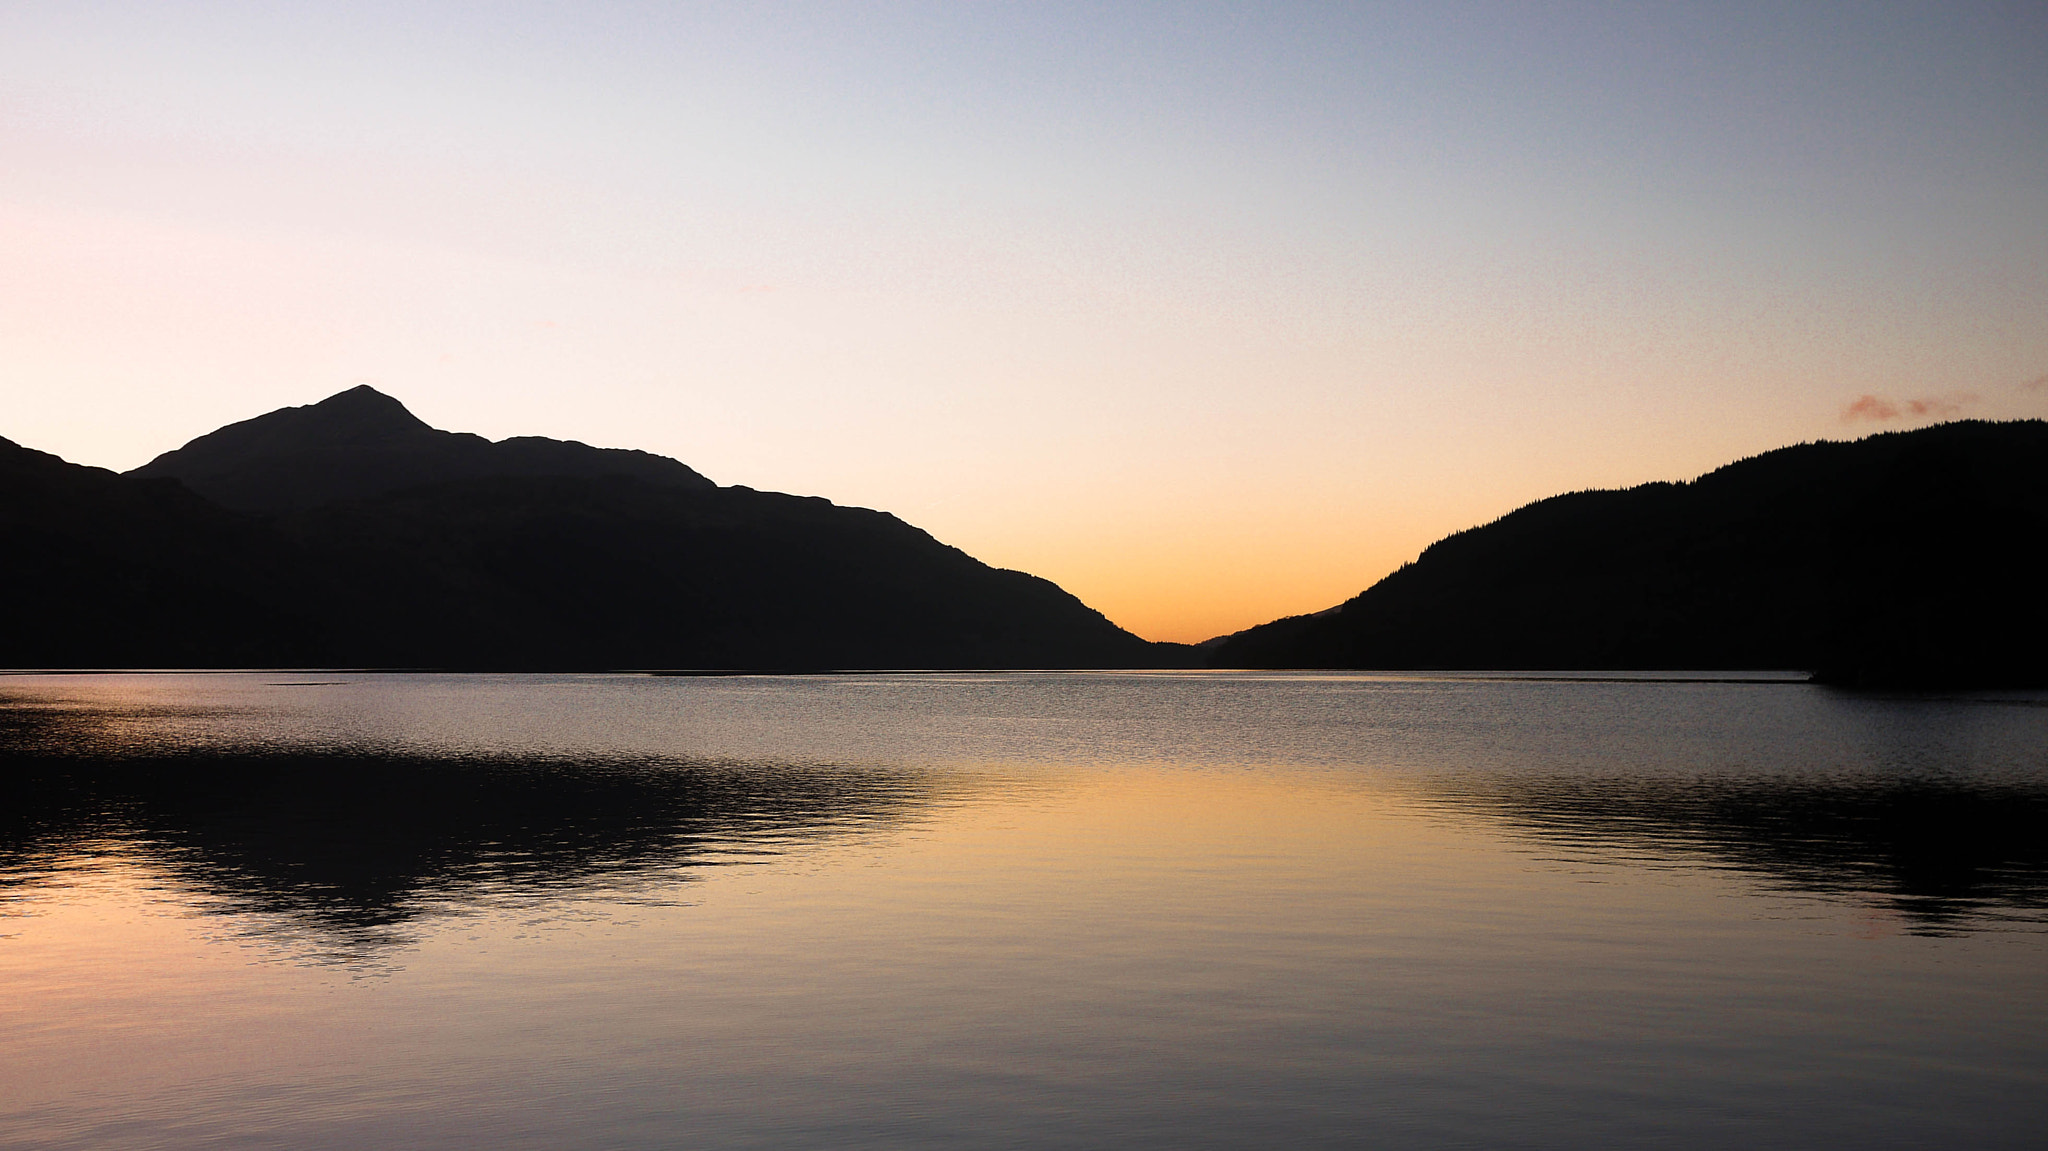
{"x":105,"y":571}
{"x":1909,"y":557}
{"x":348,"y":533}
{"x":580,"y":573}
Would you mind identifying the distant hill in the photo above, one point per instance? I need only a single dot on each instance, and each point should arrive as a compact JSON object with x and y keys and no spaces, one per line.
{"x":1908,"y":558}
{"x":349,"y":533}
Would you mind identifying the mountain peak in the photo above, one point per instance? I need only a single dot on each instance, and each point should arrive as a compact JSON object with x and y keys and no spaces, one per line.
{"x":360,"y":413}
{"x":361,"y":443}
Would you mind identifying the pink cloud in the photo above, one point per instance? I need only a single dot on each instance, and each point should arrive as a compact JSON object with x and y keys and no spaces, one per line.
{"x":1941,"y":406}
{"x":2037,"y":384}
{"x":1870,"y":408}
{"x":1880,"y":408}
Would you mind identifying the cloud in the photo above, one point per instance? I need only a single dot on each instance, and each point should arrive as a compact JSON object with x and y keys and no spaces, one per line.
{"x":1870,"y":408}
{"x":1941,"y":406}
{"x":2037,"y":384}
{"x":1878,"y":409}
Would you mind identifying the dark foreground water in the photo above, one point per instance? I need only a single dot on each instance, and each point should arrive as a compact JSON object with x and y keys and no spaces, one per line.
{"x":1090,"y":910}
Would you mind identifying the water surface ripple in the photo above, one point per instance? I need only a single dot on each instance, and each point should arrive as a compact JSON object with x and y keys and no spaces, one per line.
{"x":1030,"y":910}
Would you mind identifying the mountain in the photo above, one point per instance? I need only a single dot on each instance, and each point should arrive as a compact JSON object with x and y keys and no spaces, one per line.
{"x":349,"y":533}
{"x":1908,"y":558}
{"x":101,"y":570}
{"x":362,"y":443}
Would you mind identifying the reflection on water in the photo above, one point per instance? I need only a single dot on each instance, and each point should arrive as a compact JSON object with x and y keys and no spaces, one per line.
{"x":333,"y":850}
{"x":1151,"y":911}
{"x":346,"y":821}
{"x":1947,"y":854}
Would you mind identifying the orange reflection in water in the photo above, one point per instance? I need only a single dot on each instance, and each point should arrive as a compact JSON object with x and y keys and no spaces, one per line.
{"x":1042,"y":944}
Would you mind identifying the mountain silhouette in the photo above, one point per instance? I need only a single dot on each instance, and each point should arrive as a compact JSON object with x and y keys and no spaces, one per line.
{"x":349,"y":533}
{"x":1904,"y":559}
{"x":108,"y":571}
{"x":362,"y":443}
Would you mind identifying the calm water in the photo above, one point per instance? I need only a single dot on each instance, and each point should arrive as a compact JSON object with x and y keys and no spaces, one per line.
{"x":1095,"y":910}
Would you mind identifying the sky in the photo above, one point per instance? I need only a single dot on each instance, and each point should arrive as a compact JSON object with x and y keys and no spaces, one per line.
{"x":1211,"y":313}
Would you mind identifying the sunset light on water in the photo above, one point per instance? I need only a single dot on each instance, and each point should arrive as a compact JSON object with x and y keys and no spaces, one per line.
{"x":1066,"y":910}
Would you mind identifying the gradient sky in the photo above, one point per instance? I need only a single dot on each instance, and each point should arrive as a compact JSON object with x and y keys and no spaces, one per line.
{"x":1210,"y":313}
